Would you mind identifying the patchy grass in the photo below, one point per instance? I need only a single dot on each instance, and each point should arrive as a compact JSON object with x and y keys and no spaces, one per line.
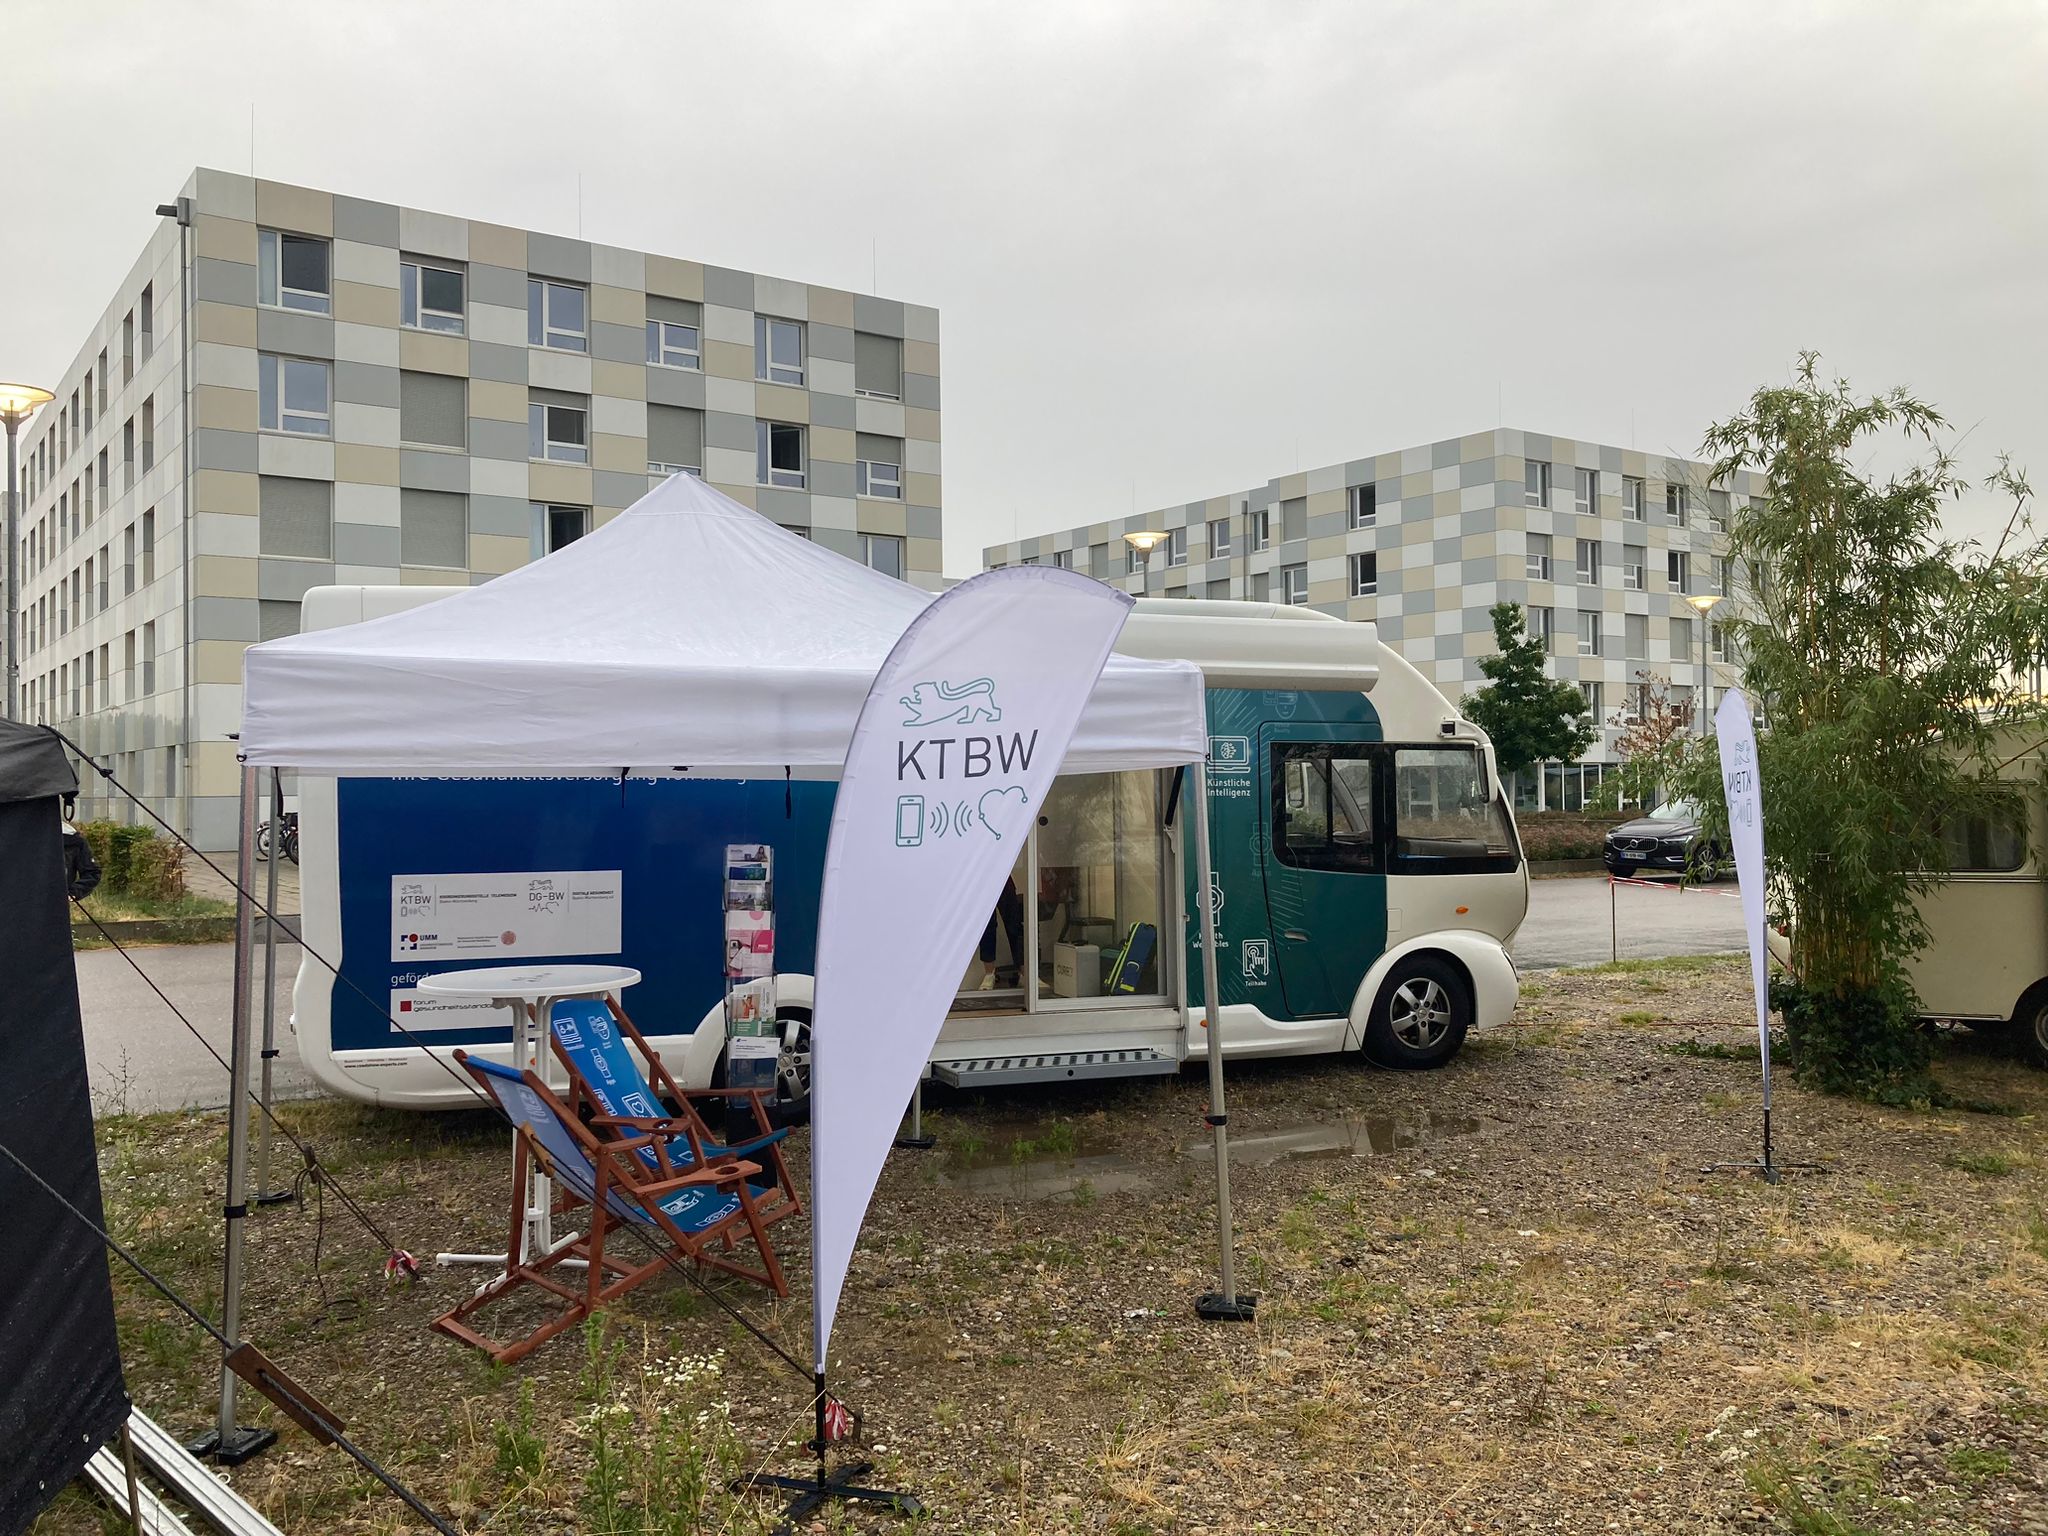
{"x":1551,"y":1322}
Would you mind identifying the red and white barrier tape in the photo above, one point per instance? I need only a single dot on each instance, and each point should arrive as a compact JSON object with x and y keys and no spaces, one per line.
{"x":1670,"y":885}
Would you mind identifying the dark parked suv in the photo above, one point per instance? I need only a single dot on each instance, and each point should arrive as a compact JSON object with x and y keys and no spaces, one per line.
{"x":1667,"y":841}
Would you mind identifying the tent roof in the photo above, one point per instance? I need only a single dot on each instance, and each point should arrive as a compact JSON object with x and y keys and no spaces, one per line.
{"x":689,"y":631}
{"x":33,"y":764}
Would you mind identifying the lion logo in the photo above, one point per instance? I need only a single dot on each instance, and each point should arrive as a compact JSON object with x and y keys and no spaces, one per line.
{"x":941,"y":703}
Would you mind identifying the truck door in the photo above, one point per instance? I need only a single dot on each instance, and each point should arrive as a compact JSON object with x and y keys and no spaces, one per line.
{"x":1326,"y":793}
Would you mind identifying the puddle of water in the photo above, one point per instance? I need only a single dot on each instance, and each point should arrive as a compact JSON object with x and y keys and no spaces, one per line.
{"x":1365,"y":1136}
{"x":1009,"y":1162}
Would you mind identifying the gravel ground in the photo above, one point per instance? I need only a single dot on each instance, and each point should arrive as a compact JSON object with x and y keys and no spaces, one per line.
{"x":1499,"y":1297}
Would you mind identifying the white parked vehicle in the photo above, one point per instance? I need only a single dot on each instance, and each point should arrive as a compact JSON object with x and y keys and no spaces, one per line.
{"x":1368,"y":880}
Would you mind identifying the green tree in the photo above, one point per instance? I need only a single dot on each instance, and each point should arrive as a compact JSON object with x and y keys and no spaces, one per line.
{"x":1531,"y":716}
{"x":1883,"y":661}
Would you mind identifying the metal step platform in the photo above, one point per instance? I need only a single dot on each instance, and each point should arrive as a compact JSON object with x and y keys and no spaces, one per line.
{"x":1054,"y":1067}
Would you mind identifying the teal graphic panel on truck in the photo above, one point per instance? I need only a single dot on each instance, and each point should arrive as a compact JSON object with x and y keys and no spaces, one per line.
{"x":1293,"y":942}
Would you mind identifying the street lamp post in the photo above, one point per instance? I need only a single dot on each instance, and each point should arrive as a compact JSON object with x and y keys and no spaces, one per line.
{"x":18,"y":402}
{"x":1703,"y":603}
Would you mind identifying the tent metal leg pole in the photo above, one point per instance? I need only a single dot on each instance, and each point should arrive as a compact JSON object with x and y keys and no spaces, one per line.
{"x":1224,"y":1304}
{"x":915,"y":1140}
{"x":229,"y":1442}
{"x":134,"y":1482}
{"x":265,"y":1195}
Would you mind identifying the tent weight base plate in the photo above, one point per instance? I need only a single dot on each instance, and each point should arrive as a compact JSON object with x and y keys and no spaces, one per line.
{"x":1215,"y":1307}
{"x":243,"y":1443}
{"x":917,"y":1143}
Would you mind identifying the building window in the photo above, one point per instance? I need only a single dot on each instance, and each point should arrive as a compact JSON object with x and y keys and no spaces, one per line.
{"x":878,"y":466}
{"x":149,"y":658}
{"x":295,"y":518}
{"x":557,"y":431}
{"x":779,"y":454}
{"x":1717,"y":641}
{"x":883,"y":552}
{"x":433,"y":408}
{"x":127,"y":470}
{"x":1134,"y":559}
{"x":1675,"y":504}
{"x":84,"y":397}
{"x":1631,"y":574}
{"x":1063,"y":559}
{"x":1294,"y":584}
{"x":1723,"y":574}
{"x":148,"y":312}
{"x":293,"y":396}
{"x":1586,"y":492}
{"x":1635,"y":636}
{"x":557,"y":527}
{"x":675,"y":441}
{"x":1591,"y":693}
{"x":1681,"y":641}
{"x":1587,"y":567}
{"x":1589,"y":633}
{"x":433,"y":529}
{"x":1365,"y":574}
{"x":1262,"y":528}
{"x":1537,"y":563}
{"x":1677,"y":571}
{"x":672,"y":342}
{"x":1632,"y":498}
{"x":128,"y":561}
{"x":430,"y":296}
{"x":1293,"y":519}
{"x":102,"y":374}
{"x":148,"y":438}
{"x":778,"y":350}
{"x":557,"y":315}
{"x":1365,"y":507}
{"x":1717,"y":511}
{"x":127,"y":348}
{"x":148,"y":543}
{"x":878,"y":366}
{"x":291,"y":272}
{"x":1219,"y":537}
{"x":276,"y":618}
{"x":1536,"y":483}
{"x":1177,"y":546}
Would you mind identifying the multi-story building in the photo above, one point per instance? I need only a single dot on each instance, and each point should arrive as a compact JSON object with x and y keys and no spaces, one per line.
{"x":1601,"y":545}
{"x":382,"y":395}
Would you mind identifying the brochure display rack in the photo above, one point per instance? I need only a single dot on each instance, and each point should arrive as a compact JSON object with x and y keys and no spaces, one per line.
{"x":753,"y":1039}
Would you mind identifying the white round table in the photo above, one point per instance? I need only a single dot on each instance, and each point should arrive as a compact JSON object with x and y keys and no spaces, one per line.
{"x":529,"y":992}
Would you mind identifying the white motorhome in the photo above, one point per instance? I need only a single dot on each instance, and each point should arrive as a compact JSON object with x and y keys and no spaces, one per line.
{"x":1368,"y":879}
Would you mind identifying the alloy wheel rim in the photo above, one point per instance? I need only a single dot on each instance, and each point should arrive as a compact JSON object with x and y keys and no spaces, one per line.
{"x":1420,"y":1013}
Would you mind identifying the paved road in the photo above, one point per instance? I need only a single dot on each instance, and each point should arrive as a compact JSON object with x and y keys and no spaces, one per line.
{"x":1568,"y":921}
{"x":140,"y":1058}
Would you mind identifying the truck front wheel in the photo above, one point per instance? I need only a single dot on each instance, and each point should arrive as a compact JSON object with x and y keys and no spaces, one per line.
{"x":1420,"y":1018}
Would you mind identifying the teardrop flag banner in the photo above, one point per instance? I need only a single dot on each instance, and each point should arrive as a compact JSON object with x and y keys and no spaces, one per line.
{"x":960,"y":738}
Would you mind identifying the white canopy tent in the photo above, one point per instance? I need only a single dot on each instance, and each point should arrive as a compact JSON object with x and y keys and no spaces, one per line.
{"x":687,"y":632}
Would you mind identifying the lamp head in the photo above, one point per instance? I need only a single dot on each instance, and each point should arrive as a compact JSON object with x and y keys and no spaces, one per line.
{"x":1703,"y":601}
{"x":1145,"y":541}
{"x":19,"y":401}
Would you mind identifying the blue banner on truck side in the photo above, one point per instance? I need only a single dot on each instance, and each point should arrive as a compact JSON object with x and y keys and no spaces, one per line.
{"x":664,"y":838}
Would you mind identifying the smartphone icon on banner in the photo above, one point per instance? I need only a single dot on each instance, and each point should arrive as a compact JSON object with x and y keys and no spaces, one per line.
{"x":909,"y":821}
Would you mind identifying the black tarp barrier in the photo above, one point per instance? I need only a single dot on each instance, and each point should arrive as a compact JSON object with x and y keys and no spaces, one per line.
{"x":61,"y":1392}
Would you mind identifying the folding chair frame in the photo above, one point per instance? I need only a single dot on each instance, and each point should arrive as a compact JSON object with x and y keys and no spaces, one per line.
{"x":615,"y":1171}
{"x":686,"y":1124}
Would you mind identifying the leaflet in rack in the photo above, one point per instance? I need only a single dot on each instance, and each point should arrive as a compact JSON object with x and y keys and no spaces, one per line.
{"x":753,"y":1043}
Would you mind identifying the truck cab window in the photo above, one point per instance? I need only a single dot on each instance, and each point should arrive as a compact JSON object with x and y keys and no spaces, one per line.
{"x":1444,"y":821}
{"x":1323,"y":816}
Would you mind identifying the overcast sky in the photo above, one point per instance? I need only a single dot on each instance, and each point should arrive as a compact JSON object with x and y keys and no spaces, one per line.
{"x":1177,"y":249}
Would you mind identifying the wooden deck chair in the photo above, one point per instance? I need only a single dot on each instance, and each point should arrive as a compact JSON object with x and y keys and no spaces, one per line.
{"x":699,"y":1214}
{"x":595,"y":1041}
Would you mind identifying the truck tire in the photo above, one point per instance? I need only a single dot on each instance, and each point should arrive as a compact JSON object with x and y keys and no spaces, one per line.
{"x":2030,"y":1024}
{"x":1420,"y":1018}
